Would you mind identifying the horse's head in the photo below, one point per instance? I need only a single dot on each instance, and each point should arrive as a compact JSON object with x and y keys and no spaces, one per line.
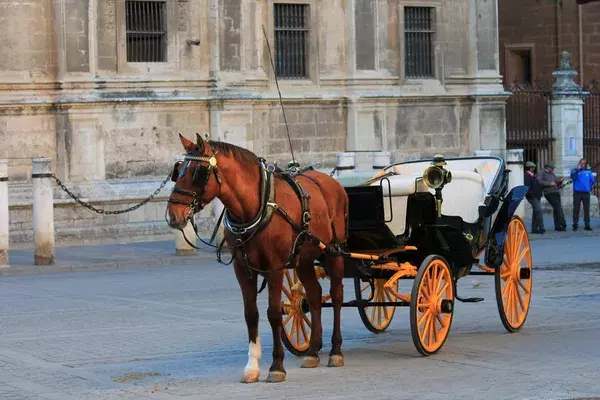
{"x":197,"y":182}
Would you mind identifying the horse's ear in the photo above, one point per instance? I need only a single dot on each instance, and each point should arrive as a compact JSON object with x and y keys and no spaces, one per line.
{"x":188,"y":145}
{"x":200,"y":143}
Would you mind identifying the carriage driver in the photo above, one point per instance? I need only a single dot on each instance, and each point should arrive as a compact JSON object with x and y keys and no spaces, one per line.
{"x":534,"y":196}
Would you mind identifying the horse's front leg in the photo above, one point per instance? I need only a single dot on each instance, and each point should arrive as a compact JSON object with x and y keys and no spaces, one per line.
{"x":249,"y":293}
{"x":275,"y":282}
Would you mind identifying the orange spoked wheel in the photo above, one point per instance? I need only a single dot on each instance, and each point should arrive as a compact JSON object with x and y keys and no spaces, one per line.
{"x":431,"y":305}
{"x":296,"y":324}
{"x":514,"y":277}
{"x":375,"y":318}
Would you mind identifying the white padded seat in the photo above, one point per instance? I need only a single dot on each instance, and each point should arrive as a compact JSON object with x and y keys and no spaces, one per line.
{"x":471,"y":181}
{"x":463,"y":195}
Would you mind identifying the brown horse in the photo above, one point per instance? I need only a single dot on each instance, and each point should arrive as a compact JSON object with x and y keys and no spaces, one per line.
{"x":266,"y":209}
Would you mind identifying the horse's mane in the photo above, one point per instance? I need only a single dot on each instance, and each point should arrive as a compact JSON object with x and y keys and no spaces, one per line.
{"x":239,"y":153}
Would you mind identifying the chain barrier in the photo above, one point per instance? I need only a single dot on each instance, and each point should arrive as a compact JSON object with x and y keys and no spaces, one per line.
{"x":92,"y":208}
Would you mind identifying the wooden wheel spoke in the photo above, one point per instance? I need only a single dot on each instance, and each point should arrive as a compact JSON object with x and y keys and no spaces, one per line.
{"x":504,"y":272}
{"x":441,"y":320}
{"x":289,"y":278}
{"x":506,"y":287}
{"x":298,"y":329}
{"x":305,"y":318}
{"x":304,"y":333}
{"x":286,"y":292}
{"x":523,"y":286}
{"x":443,"y":289}
{"x":287,"y":319}
{"x":434,"y":330}
{"x":426,"y":313}
{"x":520,"y":299}
{"x":521,"y":256}
{"x":293,"y":327}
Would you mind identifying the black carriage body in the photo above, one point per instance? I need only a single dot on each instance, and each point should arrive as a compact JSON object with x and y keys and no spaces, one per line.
{"x":459,"y":242}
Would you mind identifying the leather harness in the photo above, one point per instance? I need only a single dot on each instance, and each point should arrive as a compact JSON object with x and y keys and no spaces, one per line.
{"x":244,"y":232}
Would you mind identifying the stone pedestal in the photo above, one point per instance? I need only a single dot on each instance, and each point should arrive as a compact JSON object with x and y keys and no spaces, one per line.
{"x":514,"y":163}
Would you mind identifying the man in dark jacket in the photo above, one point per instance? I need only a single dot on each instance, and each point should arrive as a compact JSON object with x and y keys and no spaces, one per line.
{"x":550,"y":185}
{"x":583,"y":180}
{"x":533,"y":196}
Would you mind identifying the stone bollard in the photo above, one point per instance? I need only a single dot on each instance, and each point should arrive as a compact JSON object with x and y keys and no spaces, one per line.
{"x":381,"y":159}
{"x":345,"y":162}
{"x":182,"y":247}
{"x":4,"y":233}
{"x":43,"y":211}
{"x":515,"y":163}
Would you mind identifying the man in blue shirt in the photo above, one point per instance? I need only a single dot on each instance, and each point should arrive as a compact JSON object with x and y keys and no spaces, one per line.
{"x":583,"y":180}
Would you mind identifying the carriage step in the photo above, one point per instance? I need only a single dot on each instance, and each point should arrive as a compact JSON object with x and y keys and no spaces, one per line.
{"x":469,"y":299}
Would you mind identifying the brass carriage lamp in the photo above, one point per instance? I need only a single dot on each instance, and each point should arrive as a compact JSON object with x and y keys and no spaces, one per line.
{"x":435,"y":177}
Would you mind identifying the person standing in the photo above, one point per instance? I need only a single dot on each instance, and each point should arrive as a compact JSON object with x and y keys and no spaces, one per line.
{"x":550,"y":185}
{"x":533,"y":196}
{"x":583,"y":180}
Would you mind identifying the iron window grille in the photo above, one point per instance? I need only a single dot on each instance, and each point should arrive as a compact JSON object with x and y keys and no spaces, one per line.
{"x":419,"y":37}
{"x":291,"y":40}
{"x":146,"y":31}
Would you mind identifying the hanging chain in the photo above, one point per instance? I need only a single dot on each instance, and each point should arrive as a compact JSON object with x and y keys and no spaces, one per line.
{"x":92,"y":208}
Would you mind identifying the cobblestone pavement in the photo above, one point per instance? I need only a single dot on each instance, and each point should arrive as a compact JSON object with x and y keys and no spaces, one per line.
{"x":174,"y":332}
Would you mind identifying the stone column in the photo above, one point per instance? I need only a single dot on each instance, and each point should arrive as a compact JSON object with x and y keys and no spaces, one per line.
{"x":182,"y":248}
{"x":4,"y":232}
{"x":567,"y":118}
{"x":515,"y":164}
{"x":43,"y":211}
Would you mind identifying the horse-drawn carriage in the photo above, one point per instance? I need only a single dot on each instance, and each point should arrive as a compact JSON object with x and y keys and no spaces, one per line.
{"x":429,"y":221}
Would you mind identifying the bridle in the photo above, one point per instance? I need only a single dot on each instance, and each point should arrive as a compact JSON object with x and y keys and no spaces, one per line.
{"x":200,"y":178}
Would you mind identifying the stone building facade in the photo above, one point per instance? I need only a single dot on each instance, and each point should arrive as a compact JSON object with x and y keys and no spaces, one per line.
{"x":104,"y":86}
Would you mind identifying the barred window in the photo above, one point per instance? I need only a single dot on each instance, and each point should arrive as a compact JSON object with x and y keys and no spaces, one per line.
{"x":291,"y":40}
{"x":146,"y":30}
{"x":419,"y":36}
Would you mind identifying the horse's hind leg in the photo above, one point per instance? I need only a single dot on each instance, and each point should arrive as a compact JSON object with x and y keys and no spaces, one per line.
{"x":276,"y":372}
{"x":249,"y":294}
{"x":308,"y":277}
{"x":336,"y":275}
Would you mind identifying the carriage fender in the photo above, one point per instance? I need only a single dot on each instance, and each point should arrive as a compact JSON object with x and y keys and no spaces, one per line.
{"x":495,"y":250}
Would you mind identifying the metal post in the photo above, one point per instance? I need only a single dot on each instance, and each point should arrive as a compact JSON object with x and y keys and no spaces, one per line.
{"x":4,"y":225}
{"x":43,"y":211}
{"x":182,"y":248}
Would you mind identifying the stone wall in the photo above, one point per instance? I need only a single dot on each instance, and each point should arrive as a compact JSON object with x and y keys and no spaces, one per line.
{"x":68,"y":92}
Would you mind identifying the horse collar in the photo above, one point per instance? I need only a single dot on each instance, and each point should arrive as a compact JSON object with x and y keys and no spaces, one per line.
{"x":265,"y":211}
